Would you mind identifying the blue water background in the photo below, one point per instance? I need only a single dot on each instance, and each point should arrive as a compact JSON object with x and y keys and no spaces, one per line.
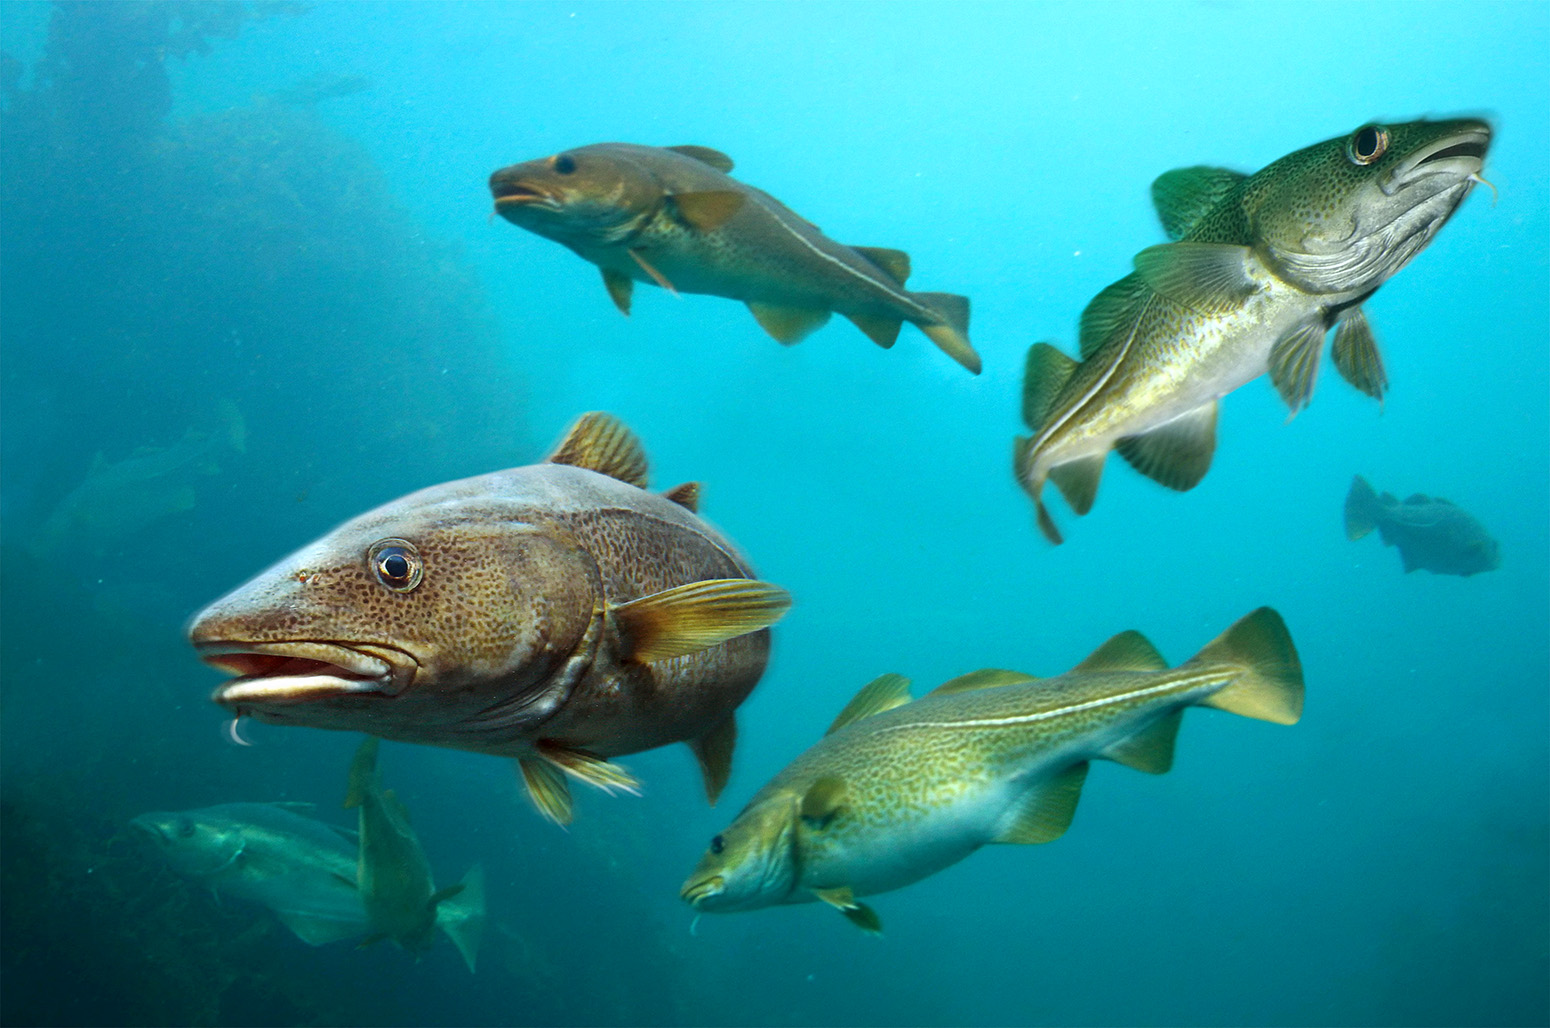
{"x":331,"y":270}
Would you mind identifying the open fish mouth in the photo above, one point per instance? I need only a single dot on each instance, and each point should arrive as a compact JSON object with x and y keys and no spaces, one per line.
{"x":513,"y":193}
{"x":1458,"y":155}
{"x":290,"y":673}
{"x":698,"y":891}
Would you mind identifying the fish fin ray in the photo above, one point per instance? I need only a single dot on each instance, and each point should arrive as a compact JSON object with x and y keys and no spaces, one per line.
{"x":1077,"y":481}
{"x":705,"y":155}
{"x":1355,"y":355}
{"x":856,"y":912}
{"x":713,"y":752}
{"x":1270,"y":685}
{"x":1294,"y":363}
{"x":1362,"y":509}
{"x":620,"y":288}
{"x":987,"y":678}
{"x":1150,"y":749}
{"x":951,"y":334}
{"x":1127,"y":651}
{"x":1178,"y":453}
{"x":896,"y":263}
{"x":547,"y":788}
{"x":1112,"y":311}
{"x":788,"y":325}
{"x":686,"y":496}
{"x":590,"y":768}
{"x":1184,"y":196}
{"x":601,"y":442}
{"x":1209,"y":278}
{"x":1045,"y":373}
{"x":884,"y":692}
{"x":882,"y":331}
{"x":1044,"y":811}
{"x":689,"y":618}
{"x":708,"y":210}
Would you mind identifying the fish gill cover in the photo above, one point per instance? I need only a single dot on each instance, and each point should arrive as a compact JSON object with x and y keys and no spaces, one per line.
{"x":251,"y":286}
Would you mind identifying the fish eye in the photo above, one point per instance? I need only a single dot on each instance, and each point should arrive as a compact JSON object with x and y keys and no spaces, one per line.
{"x":1368,"y":144}
{"x":717,"y":844}
{"x":564,"y":164}
{"x":396,"y":563}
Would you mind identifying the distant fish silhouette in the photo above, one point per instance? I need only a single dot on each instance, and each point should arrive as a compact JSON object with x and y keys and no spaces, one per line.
{"x":1431,"y":533}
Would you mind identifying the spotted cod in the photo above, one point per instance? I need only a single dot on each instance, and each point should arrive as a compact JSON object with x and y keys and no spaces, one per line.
{"x":557,"y":613}
{"x":673,"y":217}
{"x":896,"y":791}
{"x":1262,"y":267}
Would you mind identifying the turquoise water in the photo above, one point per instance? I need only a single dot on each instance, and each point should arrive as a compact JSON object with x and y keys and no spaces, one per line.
{"x":195,"y":230}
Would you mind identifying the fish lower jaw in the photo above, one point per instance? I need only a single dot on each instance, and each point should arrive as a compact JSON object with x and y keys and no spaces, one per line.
{"x":292,"y":690}
{"x":696,"y":893}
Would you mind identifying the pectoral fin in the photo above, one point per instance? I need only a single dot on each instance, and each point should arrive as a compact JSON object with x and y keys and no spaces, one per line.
{"x":1044,"y":812}
{"x":709,"y":210}
{"x":788,"y":325}
{"x":697,"y":616}
{"x":601,"y":442}
{"x":705,"y":155}
{"x":1176,"y":454}
{"x":1294,"y":363}
{"x":856,"y":912}
{"x":823,"y":800}
{"x":1356,"y":356}
{"x":713,"y":750}
{"x":1077,"y":481}
{"x":620,"y":288}
{"x":882,"y":693}
{"x":1151,"y":749}
{"x":989,"y":678}
{"x":1210,"y":278}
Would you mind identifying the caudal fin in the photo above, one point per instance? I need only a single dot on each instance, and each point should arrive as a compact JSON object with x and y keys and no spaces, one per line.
{"x":1269,"y":685}
{"x":951,"y":334}
{"x":462,"y":916}
{"x":363,"y":771}
{"x":1362,"y":509}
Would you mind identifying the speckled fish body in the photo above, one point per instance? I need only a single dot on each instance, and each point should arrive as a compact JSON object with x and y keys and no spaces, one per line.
{"x":1262,"y":267}
{"x":558,"y":613}
{"x":671,"y":216}
{"x":903,"y":789}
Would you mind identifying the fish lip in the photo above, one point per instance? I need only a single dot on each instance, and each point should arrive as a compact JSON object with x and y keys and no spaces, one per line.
{"x":294,"y":672}
{"x":696,"y":891}
{"x":522,"y":194}
{"x":1459,"y":154}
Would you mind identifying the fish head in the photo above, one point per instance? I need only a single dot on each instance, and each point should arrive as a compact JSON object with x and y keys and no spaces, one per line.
{"x":1482,"y":554}
{"x":1346,"y":214}
{"x":192,"y":845}
{"x":440,"y":614}
{"x":752,"y":863}
{"x":592,"y":194}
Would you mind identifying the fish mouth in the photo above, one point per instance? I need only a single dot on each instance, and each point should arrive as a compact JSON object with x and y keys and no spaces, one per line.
{"x":1457,"y":155}
{"x":516,"y":193}
{"x":284,"y":674}
{"x":697,"y":890}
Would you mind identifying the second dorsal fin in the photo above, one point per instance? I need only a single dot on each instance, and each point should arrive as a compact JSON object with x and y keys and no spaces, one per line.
{"x":600,"y":442}
{"x":1128,"y":651}
{"x":882,"y":693}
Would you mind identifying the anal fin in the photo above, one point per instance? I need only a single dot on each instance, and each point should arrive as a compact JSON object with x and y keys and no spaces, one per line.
{"x":1045,"y":811}
{"x":882,"y":331}
{"x":1151,"y":749}
{"x":788,"y":325}
{"x":1176,"y":454}
{"x":1077,"y":480}
{"x":713,"y":751}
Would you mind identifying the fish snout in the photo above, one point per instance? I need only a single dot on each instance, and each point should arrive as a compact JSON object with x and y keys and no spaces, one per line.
{"x":697,"y":890}
{"x":511,"y":188}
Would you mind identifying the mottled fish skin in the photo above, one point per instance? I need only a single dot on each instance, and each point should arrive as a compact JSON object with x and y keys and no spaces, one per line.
{"x":1431,"y":533}
{"x":1265,"y":266}
{"x":513,"y":636}
{"x":910,"y":790}
{"x":621,"y":207}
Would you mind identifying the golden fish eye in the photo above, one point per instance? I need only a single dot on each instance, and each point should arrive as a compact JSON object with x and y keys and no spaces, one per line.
{"x":1368,"y":144}
{"x":564,"y":163}
{"x":396,"y":563}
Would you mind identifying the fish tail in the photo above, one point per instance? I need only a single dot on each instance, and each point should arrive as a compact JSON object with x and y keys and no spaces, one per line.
{"x":363,"y":772}
{"x":1361,"y":509}
{"x":951,"y":332}
{"x":1269,"y":683}
{"x":1022,"y":468}
{"x":462,"y":917}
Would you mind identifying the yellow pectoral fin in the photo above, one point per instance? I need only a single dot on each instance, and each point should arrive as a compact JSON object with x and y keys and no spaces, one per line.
{"x":697,"y":616}
{"x":822,"y":800}
{"x":856,"y":912}
{"x":709,"y":210}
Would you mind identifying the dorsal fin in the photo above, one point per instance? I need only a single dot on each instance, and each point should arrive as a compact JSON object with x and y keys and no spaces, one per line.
{"x":1415,"y":498}
{"x":1128,"y":651}
{"x":895,"y":262}
{"x":600,"y":442}
{"x":705,"y":155}
{"x":1113,"y":310}
{"x":686,"y":496}
{"x":1183,"y":196}
{"x":882,"y":693}
{"x":1045,"y":374}
{"x":988,"y":678}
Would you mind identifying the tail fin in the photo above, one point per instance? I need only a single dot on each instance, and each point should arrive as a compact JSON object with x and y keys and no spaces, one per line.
{"x":363,"y":771}
{"x":1362,"y":508}
{"x":952,"y":332}
{"x":1022,"y":459}
{"x":1270,"y":684}
{"x":462,"y":916}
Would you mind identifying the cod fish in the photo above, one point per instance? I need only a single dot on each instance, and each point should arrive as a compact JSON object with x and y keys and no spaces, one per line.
{"x":394,"y":876}
{"x":557,"y":613}
{"x":1262,"y":267}
{"x":300,"y":868}
{"x":673,"y":217}
{"x":1431,"y":533}
{"x":896,"y":791}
